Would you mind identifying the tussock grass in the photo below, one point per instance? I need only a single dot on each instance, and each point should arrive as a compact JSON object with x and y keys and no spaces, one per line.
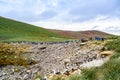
{"x":74,"y":77}
{"x":112,"y":70}
{"x":114,"y":44}
{"x":58,"y":78}
{"x":88,"y":74}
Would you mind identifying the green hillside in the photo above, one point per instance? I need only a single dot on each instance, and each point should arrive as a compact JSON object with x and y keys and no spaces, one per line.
{"x":11,"y":30}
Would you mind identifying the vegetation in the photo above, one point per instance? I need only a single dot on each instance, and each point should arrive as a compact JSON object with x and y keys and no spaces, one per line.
{"x":38,"y":77}
{"x":14,"y":54}
{"x":114,"y":44}
{"x":112,"y":37}
{"x":58,"y":78}
{"x":74,"y":77}
{"x":11,"y":30}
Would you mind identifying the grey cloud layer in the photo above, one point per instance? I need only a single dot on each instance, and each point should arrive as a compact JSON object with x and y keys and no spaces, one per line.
{"x":70,"y":11}
{"x":82,"y":9}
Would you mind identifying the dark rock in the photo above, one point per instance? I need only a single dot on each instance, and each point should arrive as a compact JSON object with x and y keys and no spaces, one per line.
{"x":67,"y":73}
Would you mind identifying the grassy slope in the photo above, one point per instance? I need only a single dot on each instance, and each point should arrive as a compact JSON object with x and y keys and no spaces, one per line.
{"x":17,"y":31}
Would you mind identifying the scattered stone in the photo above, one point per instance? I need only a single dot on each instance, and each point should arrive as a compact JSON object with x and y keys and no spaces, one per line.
{"x":49,"y":56}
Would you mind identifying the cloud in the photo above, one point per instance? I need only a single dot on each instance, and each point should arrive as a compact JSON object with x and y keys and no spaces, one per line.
{"x":47,"y":14}
{"x":92,"y":8}
{"x":110,"y":25}
{"x":65,"y":14}
{"x":76,"y":11}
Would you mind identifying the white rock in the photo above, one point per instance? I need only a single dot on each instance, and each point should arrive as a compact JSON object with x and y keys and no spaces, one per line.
{"x":94,"y":63}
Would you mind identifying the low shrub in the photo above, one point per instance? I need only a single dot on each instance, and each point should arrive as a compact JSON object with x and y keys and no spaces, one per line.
{"x":113,"y":45}
{"x":75,"y":77}
{"x":111,"y":70}
{"x":89,"y":74}
{"x":58,"y":78}
{"x":14,"y":54}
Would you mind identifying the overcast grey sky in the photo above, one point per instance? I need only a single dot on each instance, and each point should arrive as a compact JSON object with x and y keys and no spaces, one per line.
{"x":73,"y":15}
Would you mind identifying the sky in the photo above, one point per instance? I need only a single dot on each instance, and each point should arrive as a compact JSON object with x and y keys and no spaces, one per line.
{"x":74,"y":15}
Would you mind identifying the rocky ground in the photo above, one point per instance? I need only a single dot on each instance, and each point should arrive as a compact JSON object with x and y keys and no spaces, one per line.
{"x":53,"y":58}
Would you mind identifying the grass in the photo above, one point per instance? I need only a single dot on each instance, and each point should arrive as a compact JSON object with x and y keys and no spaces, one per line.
{"x":58,"y":78}
{"x":112,"y":69}
{"x":88,"y":74}
{"x":11,"y":30}
{"x":109,"y":71}
{"x":114,"y":44}
{"x":74,"y":77}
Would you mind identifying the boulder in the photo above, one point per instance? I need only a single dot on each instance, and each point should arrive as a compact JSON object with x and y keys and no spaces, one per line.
{"x":106,"y":53}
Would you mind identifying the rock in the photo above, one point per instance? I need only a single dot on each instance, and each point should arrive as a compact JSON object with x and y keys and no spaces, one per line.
{"x":90,"y":59}
{"x":25,"y":76}
{"x":72,"y":69}
{"x":43,"y":47}
{"x":57,"y":73}
{"x":82,"y":44}
{"x":94,"y":63}
{"x":106,"y":53}
{"x":67,"y":60}
{"x":28,"y":71}
{"x":67,"y":73}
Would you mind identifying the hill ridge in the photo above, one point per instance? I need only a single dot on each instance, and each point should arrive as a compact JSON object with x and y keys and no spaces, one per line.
{"x":81,"y":34}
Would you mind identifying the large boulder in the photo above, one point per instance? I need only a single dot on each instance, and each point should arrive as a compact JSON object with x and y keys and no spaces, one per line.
{"x":106,"y":53}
